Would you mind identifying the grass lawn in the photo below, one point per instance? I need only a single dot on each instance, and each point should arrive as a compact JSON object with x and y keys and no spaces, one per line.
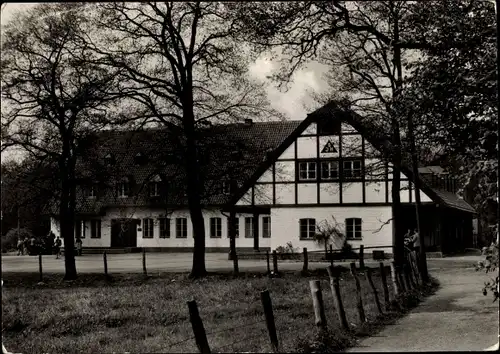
{"x":133,"y":314}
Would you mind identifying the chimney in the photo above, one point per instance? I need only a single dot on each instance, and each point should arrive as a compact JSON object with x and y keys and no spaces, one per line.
{"x":248,"y":122}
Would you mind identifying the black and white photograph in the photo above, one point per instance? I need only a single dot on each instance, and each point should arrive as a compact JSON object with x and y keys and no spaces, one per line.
{"x":250,"y":176}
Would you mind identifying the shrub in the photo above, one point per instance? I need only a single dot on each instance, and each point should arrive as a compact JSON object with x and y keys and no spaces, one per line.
{"x":9,"y":240}
{"x":286,"y":249}
{"x":490,"y":264}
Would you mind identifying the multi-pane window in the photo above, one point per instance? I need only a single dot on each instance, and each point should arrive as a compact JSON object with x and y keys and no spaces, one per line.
{"x":154,"y":189}
{"x":164,"y":227}
{"x":95,"y":229}
{"x":266,"y":227}
{"x":307,"y":171}
{"x":123,"y":189}
{"x":353,"y":228}
{"x":352,"y":168}
{"x":329,"y":170}
{"x":90,"y":191}
{"x":148,"y":228}
{"x":236,"y":227}
{"x":226,"y":187}
{"x":249,"y":227}
{"x":307,"y":228}
{"x":181,"y":230}
{"x":215,"y":227}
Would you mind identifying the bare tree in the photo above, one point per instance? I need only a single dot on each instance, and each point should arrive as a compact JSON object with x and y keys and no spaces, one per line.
{"x":53,"y":96}
{"x":184,"y":69}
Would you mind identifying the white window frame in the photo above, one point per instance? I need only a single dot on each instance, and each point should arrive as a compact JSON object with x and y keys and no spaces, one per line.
{"x":148,"y":228}
{"x":354,"y":228}
{"x":155,"y":188}
{"x":348,"y":165}
{"x":181,"y":230}
{"x":164,"y":227}
{"x":123,"y":189}
{"x":307,"y":228}
{"x":331,"y":166}
{"x":310,"y":168}
{"x":249,"y":227}
{"x":95,"y":228}
{"x":266,"y":227}
{"x":216,"y":227}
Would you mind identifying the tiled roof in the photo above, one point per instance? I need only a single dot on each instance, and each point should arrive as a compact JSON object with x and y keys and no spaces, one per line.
{"x":229,"y":151}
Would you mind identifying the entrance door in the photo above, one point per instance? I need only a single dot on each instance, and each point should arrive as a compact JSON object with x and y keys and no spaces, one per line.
{"x":124,"y":233}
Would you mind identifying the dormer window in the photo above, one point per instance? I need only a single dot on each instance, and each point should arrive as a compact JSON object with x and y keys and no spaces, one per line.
{"x":108,"y":159}
{"x":90,"y":191}
{"x":139,"y":158}
{"x":154,"y":186}
{"x":226,"y":187}
{"x":123,"y":188}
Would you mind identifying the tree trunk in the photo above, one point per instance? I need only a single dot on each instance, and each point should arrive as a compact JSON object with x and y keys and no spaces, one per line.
{"x":67,"y":218}
{"x":397,"y":237}
{"x":194,"y":193}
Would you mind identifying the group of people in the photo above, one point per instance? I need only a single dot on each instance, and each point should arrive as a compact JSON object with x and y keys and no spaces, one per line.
{"x":34,"y":245}
{"x":412,"y":244}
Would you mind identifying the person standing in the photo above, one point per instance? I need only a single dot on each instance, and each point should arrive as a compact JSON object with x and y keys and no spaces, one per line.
{"x":57,"y":246}
{"x":20,"y":245}
{"x":78,"y":244}
{"x":415,"y":239}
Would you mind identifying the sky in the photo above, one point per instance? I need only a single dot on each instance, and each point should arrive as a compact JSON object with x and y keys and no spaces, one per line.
{"x":292,"y":103}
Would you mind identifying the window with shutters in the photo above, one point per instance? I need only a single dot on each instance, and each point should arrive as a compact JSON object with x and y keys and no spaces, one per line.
{"x":148,"y":228}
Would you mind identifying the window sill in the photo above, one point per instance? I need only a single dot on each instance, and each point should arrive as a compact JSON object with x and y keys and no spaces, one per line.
{"x":215,"y":236}
{"x":306,"y":239}
{"x":183,"y":237}
{"x":148,"y":237}
{"x":164,"y":237}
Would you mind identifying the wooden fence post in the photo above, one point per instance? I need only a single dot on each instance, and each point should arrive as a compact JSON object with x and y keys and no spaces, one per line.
{"x":319,"y":309}
{"x":306,"y":261}
{"x":395,"y":280}
{"x":268,"y":264}
{"x":384,"y":285}
{"x":271,"y":326}
{"x":105,"y":259}
{"x":361,"y":311}
{"x":275,"y":262}
{"x":331,"y":255}
{"x":200,"y":335}
{"x":337,"y":299}
{"x":368,"y":274}
{"x":144,"y":269}
{"x":40,"y":266}
{"x":361,"y":257}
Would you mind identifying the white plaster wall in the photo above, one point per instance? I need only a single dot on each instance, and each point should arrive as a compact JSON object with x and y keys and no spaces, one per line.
{"x":352,"y":192}
{"x":329,"y":193}
{"x":306,"y":147}
{"x":405,"y":195}
{"x":311,"y":129}
{"x":267,"y":176}
{"x":285,"y":225}
{"x":347,"y":128}
{"x":246,"y":199}
{"x":307,"y":193}
{"x":375,"y":192}
{"x":351,"y":145}
{"x":285,"y":194}
{"x":263,"y":194}
{"x":370,"y":151}
{"x":289,"y":153}
{"x":285,"y":171}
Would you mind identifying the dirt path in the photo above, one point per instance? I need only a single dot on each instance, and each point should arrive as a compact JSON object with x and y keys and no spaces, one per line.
{"x":457,"y":318}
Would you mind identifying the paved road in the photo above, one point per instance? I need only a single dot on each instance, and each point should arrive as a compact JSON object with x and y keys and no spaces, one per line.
{"x":457,"y":318}
{"x":164,"y":262}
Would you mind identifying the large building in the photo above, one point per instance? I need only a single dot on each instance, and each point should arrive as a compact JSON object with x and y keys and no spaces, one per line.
{"x":283,"y":179}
